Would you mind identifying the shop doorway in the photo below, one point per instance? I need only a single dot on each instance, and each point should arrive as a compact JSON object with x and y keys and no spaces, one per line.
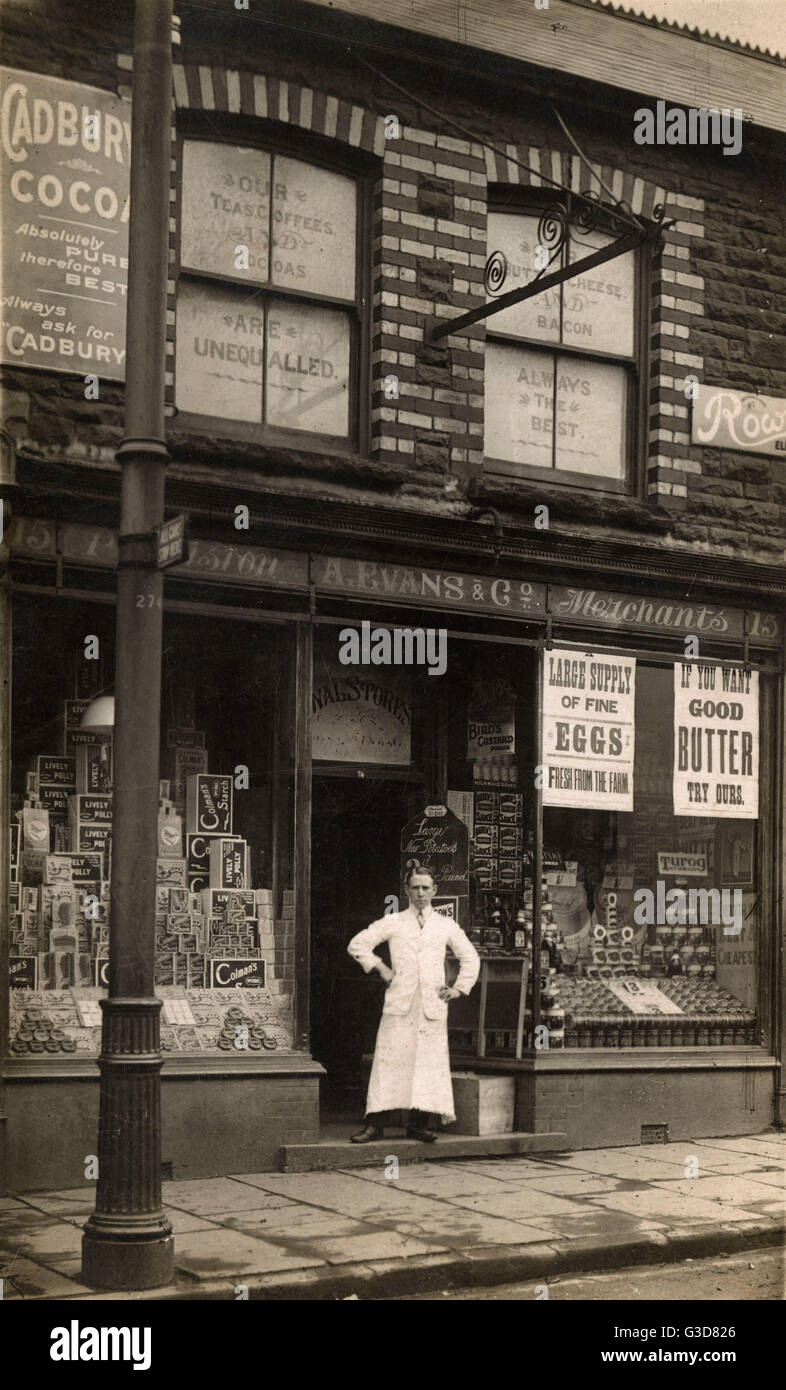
{"x":356,"y":829}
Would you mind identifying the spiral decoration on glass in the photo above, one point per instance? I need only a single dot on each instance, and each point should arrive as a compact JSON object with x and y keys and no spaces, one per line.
{"x":495,"y":272}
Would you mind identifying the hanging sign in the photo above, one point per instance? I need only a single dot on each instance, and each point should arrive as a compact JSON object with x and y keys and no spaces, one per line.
{"x":734,"y":420}
{"x":588,"y":730}
{"x":716,"y":741}
{"x":64,"y":208}
{"x":437,"y":840}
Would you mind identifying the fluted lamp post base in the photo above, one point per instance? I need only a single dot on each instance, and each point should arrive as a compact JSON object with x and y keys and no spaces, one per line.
{"x":127,"y":1253}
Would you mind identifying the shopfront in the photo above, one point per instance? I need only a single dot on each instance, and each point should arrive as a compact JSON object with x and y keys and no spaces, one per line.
{"x":592,"y":771}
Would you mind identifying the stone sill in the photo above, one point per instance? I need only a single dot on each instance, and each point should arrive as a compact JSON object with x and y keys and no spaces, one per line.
{"x":192,"y":1066}
{"x":625,"y":1059}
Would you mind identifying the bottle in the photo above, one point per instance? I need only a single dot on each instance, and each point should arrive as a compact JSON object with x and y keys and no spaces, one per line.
{"x":520,"y":935}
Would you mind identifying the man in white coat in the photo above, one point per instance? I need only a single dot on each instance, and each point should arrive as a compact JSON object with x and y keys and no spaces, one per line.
{"x":411,"y":1068}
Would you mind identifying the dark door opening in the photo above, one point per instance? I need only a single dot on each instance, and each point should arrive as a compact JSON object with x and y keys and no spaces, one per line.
{"x":356,"y":829}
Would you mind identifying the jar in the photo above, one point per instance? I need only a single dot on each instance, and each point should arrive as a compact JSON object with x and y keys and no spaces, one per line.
{"x":715,"y":1033}
{"x":695,"y":935}
{"x":680,"y":936}
{"x":664,"y":1034}
{"x":689,"y":1033}
{"x":572,"y":1037}
{"x":626,"y":1035}
{"x":585,"y":1036}
{"x":740,"y":1032}
{"x":702,"y":1035}
{"x":677,"y":1033}
{"x":708,"y":972}
{"x":693,"y":971}
{"x":598,"y":1035}
{"x":663,"y":936}
{"x":651,"y":1033}
{"x":611,"y":1033}
{"x":727,"y":1032}
{"x":687,"y":955}
{"x":703,"y":953}
{"x":645,"y":969}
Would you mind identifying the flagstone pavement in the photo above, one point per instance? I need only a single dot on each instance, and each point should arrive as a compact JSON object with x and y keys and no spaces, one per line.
{"x":369,"y":1232}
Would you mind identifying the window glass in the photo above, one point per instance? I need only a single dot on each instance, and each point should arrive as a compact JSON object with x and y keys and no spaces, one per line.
{"x":314,"y":214}
{"x":658,"y":920}
{"x":225,"y":904}
{"x":599,"y":306}
{"x":591,"y":411}
{"x":225,"y":205}
{"x":516,"y":237}
{"x":308,"y":368}
{"x":220,"y":340}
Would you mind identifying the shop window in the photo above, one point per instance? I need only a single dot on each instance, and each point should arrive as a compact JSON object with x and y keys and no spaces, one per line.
{"x":269,"y":292}
{"x":225,"y":907}
{"x":561,"y":374}
{"x":652,"y":914}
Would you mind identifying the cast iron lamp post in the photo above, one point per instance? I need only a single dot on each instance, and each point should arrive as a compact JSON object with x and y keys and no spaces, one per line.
{"x":128,"y":1241}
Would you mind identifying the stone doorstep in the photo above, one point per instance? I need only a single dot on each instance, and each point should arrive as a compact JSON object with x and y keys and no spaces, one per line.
{"x":330,"y":1154}
{"x":383,"y":1279}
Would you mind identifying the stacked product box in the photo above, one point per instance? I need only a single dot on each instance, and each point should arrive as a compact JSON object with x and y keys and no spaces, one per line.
{"x":213,"y":928}
{"x":498,"y":840}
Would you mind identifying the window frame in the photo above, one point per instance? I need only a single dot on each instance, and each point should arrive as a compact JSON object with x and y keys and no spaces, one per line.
{"x":277,"y":139}
{"x":509,"y":200}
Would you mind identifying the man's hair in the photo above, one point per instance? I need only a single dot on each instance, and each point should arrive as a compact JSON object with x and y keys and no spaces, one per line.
{"x":418,"y":869}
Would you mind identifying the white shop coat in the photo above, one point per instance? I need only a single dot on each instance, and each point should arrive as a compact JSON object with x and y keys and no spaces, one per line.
{"x":417,"y":956}
{"x":411,"y":1067}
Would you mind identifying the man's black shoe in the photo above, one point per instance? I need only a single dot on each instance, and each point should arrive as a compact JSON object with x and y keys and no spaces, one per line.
{"x":367,"y":1135}
{"x":426,"y":1136}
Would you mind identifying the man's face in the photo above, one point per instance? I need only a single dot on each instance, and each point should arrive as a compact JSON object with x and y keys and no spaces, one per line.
{"x":420,"y":890}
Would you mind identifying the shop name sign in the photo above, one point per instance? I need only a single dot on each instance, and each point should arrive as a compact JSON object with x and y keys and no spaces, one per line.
{"x":250,"y":566}
{"x":466,"y":593}
{"x":64,"y":204}
{"x":734,"y":420}
{"x":597,"y":606}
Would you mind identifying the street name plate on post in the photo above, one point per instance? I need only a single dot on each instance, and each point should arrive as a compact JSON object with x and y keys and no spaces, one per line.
{"x":172,"y":542}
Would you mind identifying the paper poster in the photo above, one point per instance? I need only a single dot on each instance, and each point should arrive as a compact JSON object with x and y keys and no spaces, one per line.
{"x":588,"y":730}
{"x":491,"y":731}
{"x":716,"y":741}
{"x":642,"y":996}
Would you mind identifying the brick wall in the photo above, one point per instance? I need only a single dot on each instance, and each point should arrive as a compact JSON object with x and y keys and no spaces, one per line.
{"x":715,"y":304}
